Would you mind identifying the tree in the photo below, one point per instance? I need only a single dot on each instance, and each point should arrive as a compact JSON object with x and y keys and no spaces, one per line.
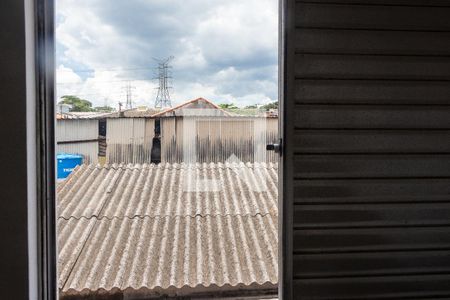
{"x":77,"y":104}
{"x":254,"y":106}
{"x":269,"y":106}
{"x":228,"y":106}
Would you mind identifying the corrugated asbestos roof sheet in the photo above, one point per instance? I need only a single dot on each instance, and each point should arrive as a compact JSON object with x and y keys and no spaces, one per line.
{"x":82,"y":115}
{"x":134,"y":113}
{"x":169,"y":190}
{"x":168,"y":229}
{"x":199,"y":103}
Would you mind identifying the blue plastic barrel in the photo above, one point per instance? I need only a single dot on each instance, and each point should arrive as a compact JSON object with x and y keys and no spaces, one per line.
{"x":66,"y":164}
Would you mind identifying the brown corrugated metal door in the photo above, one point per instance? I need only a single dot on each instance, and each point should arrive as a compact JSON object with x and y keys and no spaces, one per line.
{"x":367,"y":153}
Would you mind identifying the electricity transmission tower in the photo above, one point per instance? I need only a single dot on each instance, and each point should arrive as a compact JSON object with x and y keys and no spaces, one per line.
{"x":129,"y":92}
{"x":164,"y":74}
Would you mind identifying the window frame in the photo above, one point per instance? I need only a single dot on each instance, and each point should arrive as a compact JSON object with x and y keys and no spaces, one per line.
{"x":286,"y":98}
{"x":44,"y":13}
{"x":45,"y":148}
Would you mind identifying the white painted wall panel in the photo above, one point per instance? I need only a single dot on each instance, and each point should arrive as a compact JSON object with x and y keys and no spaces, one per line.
{"x":76,"y":130}
{"x":88,"y":150}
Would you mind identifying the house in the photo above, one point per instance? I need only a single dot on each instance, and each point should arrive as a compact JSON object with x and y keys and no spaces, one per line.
{"x":168,"y":230}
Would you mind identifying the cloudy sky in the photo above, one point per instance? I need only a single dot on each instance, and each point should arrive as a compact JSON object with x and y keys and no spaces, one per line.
{"x":225,"y":50}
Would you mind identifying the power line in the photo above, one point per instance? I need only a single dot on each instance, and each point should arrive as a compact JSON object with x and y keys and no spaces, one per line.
{"x":106,"y":81}
{"x":108,"y":93}
{"x":94,"y":94}
{"x":104,"y":70}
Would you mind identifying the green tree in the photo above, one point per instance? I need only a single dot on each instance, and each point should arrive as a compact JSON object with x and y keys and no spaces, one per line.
{"x":78,"y":104}
{"x":228,"y":106}
{"x":269,"y":106}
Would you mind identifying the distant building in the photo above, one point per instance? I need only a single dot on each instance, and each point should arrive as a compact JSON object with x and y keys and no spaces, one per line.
{"x":143,"y":231}
{"x":214,"y":134}
{"x":62,"y":108}
{"x":78,"y":136}
{"x":82,"y":133}
{"x":272,"y":113}
{"x":197,"y":130}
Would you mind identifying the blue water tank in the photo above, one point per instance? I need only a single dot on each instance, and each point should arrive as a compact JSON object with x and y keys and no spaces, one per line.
{"x":66,"y":163}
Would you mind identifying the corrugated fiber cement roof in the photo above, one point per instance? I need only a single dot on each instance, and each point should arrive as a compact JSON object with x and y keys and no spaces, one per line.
{"x":168,"y":229}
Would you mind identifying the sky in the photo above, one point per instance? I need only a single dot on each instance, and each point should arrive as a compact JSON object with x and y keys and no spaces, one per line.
{"x":224,"y":50}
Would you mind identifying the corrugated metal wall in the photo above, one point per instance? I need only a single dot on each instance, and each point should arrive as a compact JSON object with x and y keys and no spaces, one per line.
{"x":217,"y":139}
{"x":129,"y":140}
{"x":78,"y":137}
{"x":76,"y":130}
{"x":371,"y":149}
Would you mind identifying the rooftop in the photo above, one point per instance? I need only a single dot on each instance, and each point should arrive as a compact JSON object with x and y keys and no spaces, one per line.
{"x":199,"y":107}
{"x":81,"y":115}
{"x":204,"y":107}
{"x":123,"y":230}
{"x":138,"y":112}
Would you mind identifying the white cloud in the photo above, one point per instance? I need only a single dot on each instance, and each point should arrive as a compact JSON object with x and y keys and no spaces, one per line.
{"x":239,"y":31}
{"x":225,"y":50}
{"x":65,"y":75}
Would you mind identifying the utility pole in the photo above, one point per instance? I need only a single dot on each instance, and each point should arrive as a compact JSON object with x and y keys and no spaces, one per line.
{"x":129,"y":94}
{"x":163,"y":97}
{"x":120,"y":109}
